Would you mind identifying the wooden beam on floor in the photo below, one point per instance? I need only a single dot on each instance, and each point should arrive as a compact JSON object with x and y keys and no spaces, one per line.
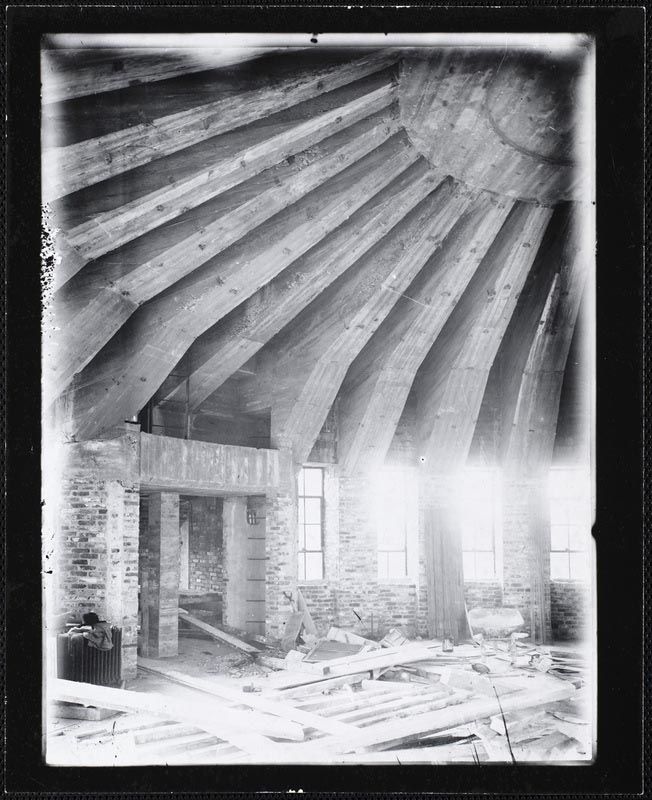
{"x":108,"y":230}
{"x":224,"y":722}
{"x":85,"y":325}
{"x":262,"y":705}
{"x":403,"y":731}
{"x":68,"y":169}
{"x":216,"y":633}
{"x":216,"y":355}
{"x":378,"y":382}
{"x":309,"y":362}
{"x":127,"y":372}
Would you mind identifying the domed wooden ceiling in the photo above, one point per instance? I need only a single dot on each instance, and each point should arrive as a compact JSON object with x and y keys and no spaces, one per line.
{"x":310,"y":229}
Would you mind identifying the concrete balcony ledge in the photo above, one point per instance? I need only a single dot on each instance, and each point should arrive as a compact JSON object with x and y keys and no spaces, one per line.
{"x":204,"y":468}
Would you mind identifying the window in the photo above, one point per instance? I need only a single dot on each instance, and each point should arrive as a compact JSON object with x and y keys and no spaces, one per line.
{"x":569,"y":524}
{"x":479,"y":510}
{"x":392,"y":524}
{"x":311,"y":514}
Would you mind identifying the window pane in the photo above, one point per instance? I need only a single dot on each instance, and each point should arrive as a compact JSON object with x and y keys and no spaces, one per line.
{"x":313,"y":481}
{"x":558,"y":513}
{"x":302,"y":567}
{"x":302,"y":513}
{"x":301,"y":483}
{"x":392,"y":537}
{"x":579,"y":566}
{"x":314,"y":566}
{"x":468,"y":539}
{"x":312,"y":507}
{"x":396,"y":565}
{"x":559,"y":538}
{"x":469,"y":565}
{"x":484,"y":538}
{"x":313,"y":537}
{"x":382,"y":565}
{"x":559,"y":566}
{"x":577,"y":537}
{"x":484,"y":565}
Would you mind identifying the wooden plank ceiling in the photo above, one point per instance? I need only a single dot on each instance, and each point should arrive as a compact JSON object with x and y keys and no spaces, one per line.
{"x":285,"y":232}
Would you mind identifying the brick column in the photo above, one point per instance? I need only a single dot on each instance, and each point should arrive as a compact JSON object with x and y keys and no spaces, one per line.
{"x":357,"y":594}
{"x":160,"y":592}
{"x":281,"y":545}
{"x":95,"y":535}
{"x":234,"y":608}
{"x":526,"y":552}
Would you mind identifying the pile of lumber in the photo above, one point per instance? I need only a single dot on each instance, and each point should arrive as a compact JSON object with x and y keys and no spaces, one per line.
{"x":347,"y":699}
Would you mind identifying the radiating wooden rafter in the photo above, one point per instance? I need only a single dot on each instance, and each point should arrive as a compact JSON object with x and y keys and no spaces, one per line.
{"x":84,"y":325}
{"x":379,"y":381}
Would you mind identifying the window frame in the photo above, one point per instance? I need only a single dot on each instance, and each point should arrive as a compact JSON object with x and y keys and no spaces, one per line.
{"x":490,"y":475}
{"x":409,"y":504}
{"x":578,"y":499}
{"x":302,"y":550}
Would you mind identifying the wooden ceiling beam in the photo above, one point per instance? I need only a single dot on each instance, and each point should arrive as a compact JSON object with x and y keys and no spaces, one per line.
{"x":311,"y":360}
{"x":82,"y":327}
{"x":68,"y":169}
{"x":108,"y":230}
{"x":118,"y":68}
{"x":127,"y":372}
{"x":378,"y":382}
{"x":453,"y":377}
{"x":219,"y":352}
{"x":531,"y":435}
{"x":559,"y":246}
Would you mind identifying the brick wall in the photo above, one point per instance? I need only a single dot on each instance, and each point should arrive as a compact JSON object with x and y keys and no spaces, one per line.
{"x":570,"y":608}
{"x":204,"y":543}
{"x":96,"y":536}
{"x":352,"y":596}
{"x":483,"y":594}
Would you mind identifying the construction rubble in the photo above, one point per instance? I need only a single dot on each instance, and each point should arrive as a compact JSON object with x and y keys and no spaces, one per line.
{"x":338,"y":699}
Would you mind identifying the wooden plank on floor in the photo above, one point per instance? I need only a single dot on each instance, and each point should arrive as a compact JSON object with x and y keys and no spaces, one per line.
{"x":307,"y":686}
{"x":264,"y":705}
{"x":386,"y":706}
{"x":214,"y":718}
{"x":334,"y":705}
{"x":405,"y":730}
{"x":216,"y":633}
{"x":316,"y":701}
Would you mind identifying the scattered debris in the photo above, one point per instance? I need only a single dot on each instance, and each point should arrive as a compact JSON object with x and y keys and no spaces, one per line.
{"x":349,"y":700}
{"x":394,"y":638}
{"x":293,"y":627}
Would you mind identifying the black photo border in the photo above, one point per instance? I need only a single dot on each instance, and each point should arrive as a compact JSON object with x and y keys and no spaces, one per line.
{"x":619,"y":32}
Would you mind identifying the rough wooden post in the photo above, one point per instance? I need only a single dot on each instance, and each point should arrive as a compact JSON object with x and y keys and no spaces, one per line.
{"x":235,"y":562}
{"x":443,"y":549}
{"x":161,"y":602}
